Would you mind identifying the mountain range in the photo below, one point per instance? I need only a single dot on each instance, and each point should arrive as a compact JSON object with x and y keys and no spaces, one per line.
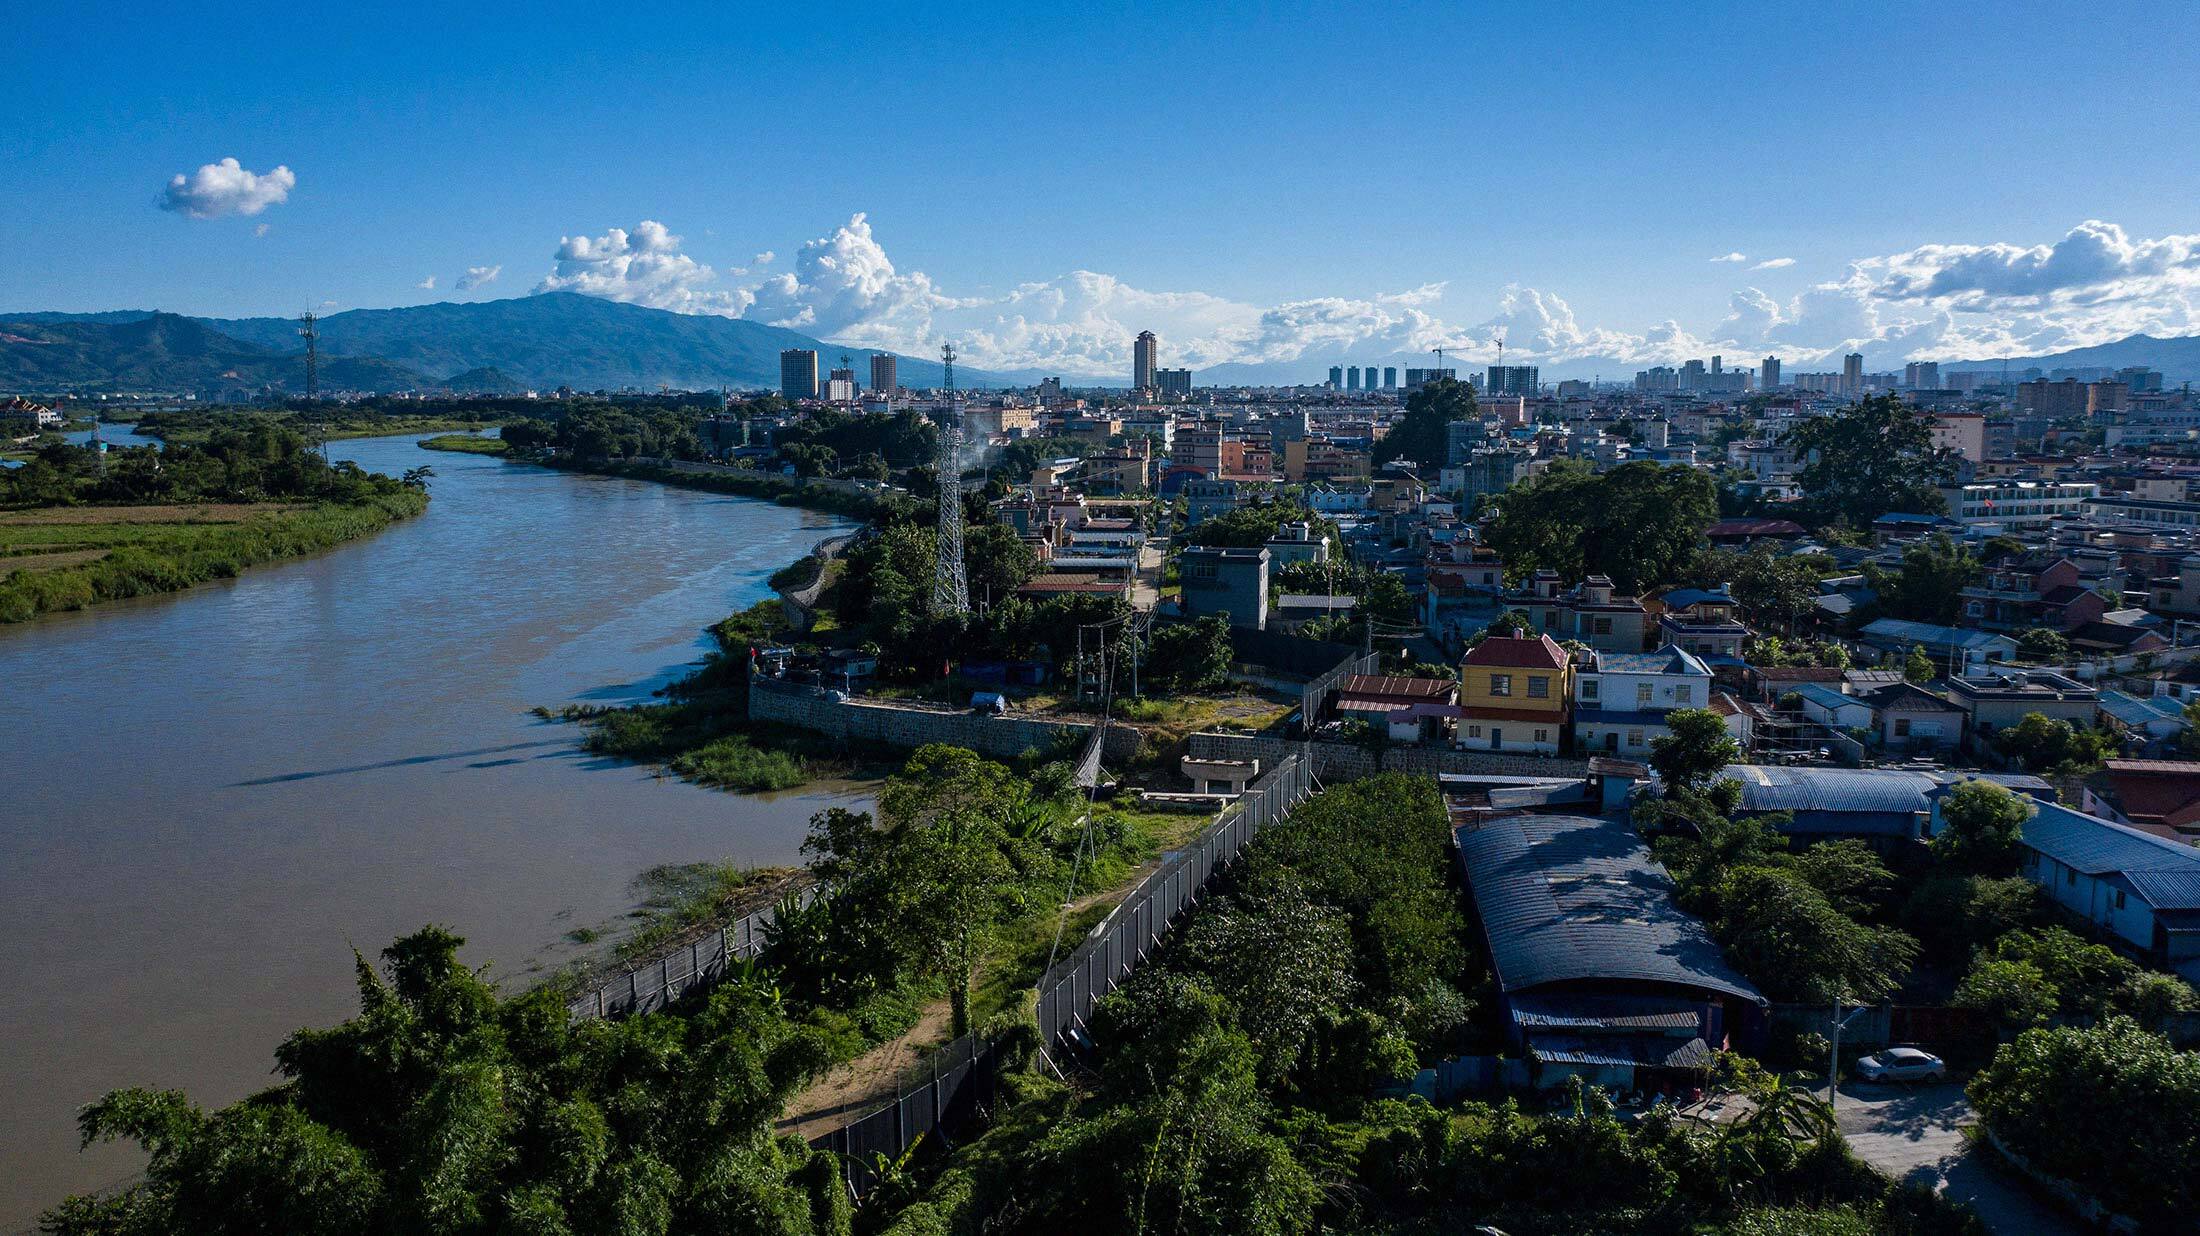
{"x":543,"y":342}
{"x":566,"y":339}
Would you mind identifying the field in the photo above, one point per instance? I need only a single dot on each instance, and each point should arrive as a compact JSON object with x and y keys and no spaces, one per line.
{"x":62,"y":558}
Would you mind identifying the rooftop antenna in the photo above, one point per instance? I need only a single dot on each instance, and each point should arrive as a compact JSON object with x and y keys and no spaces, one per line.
{"x":950,"y":585}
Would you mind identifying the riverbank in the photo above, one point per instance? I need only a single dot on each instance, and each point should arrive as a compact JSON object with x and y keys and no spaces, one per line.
{"x":466,"y":444}
{"x":197,"y":427}
{"x":835,"y":497}
{"x":65,"y":558}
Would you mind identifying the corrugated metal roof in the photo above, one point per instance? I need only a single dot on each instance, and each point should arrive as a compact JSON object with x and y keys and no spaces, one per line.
{"x":1561,"y":1010}
{"x":1927,"y":633}
{"x":2102,"y":847}
{"x":1638,"y":1050}
{"x":1774,"y":787}
{"x":1567,"y":898}
{"x":2167,"y":890}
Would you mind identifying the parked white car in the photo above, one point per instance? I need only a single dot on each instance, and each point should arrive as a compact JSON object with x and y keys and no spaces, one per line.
{"x":1902,"y":1064}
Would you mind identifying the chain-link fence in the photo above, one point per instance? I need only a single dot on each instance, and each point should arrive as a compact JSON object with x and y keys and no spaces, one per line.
{"x":660,"y":982}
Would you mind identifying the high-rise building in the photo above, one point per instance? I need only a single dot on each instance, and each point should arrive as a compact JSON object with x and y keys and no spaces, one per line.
{"x":1852,"y":374}
{"x":2140,"y":378}
{"x":1352,"y":378}
{"x":1173,"y":381}
{"x":1694,"y":377}
{"x":1657,"y":379}
{"x":798,"y":374}
{"x":885,"y":373}
{"x":1513,"y":380}
{"x":1336,"y":377}
{"x":1768,"y":376}
{"x":1418,"y":378}
{"x":1921,"y":375}
{"x":1145,"y":358}
{"x":1390,"y":378}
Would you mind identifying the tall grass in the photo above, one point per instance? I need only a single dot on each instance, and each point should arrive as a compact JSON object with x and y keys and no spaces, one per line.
{"x":197,"y":553}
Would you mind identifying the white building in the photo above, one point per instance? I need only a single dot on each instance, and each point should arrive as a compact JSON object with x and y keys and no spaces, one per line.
{"x":2139,"y":891}
{"x":1620,"y":704}
{"x":2018,"y":504}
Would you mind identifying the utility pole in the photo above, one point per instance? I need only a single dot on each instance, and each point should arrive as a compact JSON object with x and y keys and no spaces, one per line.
{"x":1833,"y":1063}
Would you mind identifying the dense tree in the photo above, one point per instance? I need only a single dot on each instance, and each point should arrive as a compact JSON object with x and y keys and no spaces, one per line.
{"x":2044,"y":645}
{"x":1422,"y":435}
{"x":996,"y":561}
{"x":2113,"y":1108}
{"x":443,"y":1107}
{"x":2054,"y":746}
{"x":1981,"y":823}
{"x":1640,"y":523}
{"x":1696,"y":750}
{"x":1797,"y":945}
{"x":1190,"y":656}
{"x":1928,"y":586}
{"x":1871,"y":459}
{"x":1775,"y":588}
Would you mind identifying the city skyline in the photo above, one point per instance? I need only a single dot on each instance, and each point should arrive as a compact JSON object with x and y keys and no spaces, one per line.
{"x":235,"y":196}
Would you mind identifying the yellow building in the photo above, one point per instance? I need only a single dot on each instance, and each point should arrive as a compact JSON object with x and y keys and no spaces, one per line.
{"x":1513,"y":695}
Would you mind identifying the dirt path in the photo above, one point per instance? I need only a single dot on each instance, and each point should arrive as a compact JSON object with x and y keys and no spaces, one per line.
{"x":853,"y":1088}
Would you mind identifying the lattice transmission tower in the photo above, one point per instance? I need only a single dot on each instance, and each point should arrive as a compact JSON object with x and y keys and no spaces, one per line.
{"x":950,"y":586}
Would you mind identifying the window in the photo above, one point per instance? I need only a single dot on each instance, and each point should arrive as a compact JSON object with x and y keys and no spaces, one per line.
{"x":2119,"y":899}
{"x":2070,"y":876}
{"x":1539,"y":687}
{"x":1501,"y":684}
{"x":1642,"y":693}
{"x":1604,"y":626}
{"x":1901,"y":727}
{"x":1588,"y":688}
{"x":1682,"y":695}
{"x":1634,"y":738}
{"x":1474,"y":731}
{"x":1545,"y":736}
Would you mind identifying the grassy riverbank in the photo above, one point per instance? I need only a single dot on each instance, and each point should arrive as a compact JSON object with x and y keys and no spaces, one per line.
{"x":773,"y":486}
{"x":466,"y":444}
{"x":331,"y":424}
{"x":64,"y":558}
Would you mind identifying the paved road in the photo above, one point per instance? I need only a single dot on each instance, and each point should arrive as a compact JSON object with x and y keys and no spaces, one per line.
{"x":1915,"y":1133}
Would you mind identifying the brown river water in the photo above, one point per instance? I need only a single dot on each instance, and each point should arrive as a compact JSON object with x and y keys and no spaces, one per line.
{"x":208,"y":799}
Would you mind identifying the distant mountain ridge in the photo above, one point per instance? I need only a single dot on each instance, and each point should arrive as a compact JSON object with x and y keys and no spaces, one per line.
{"x":2178,"y":357}
{"x":542,"y":342}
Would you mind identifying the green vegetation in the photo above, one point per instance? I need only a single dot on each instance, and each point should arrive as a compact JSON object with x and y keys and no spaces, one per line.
{"x":1927,"y":586}
{"x":75,"y":531}
{"x":314,"y":422}
{"x":1639,"y":524}
{"x":466,"y":444}
{"x":1870,"y":459}
{"x":444,"y":1107}
{"x":2113,"y":1108}
{"x":679,"y":900}
{"x":1238,"y":1077}
{"x":2053,"y":747}
{"x":1422,"y":435}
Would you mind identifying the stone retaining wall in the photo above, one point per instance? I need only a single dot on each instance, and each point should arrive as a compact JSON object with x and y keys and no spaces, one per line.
{"x":902,"y":726}
{"x":1345,"y":761}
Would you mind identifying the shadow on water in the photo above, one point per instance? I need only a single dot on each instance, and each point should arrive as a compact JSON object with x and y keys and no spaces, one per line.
{"x":406,"y":762}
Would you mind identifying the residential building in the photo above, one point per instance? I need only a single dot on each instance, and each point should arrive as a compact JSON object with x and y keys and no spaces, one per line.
{"x":1852,"y":374}
{"x":1702,"y":620}
{"x":1513,"y":695}
{"x":798,"y":374}
{"x":1173,"y":382}
{"x":2161,"y":797}
{"x":1621,"y":700}
{"x":1882,"y":806}
{"x":1205,"y":498}
{"x":1390,"y":378}
{"x":1336,"y":377}
{"x":2018,"y":504}
{"x":1997,"y":699}
{"x":2039,"y":591}
{"x":2139,"y":891}
{"x":1906,"y":718}
{"x":1592,"y":613}
{"x":1145,"y":359}
{"x":1921,"y":375}
{"x":1951,"y":649}
{"x":1297,"y":542}
{"x":1410,"y":709}
{"x":886,"y":375}
{"x":1961,"y":432}
{"x":1836,"y":710}
{"x":1513,"y":380}
{"x":1225,"y":581}
{"x":1418,"y":378}
{"x":1768,"y":373}
{"x":2141,"y":512}
{"x":23,"y":416}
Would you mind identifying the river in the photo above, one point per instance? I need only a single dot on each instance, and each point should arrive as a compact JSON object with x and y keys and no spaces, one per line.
{"x":208,"y":798}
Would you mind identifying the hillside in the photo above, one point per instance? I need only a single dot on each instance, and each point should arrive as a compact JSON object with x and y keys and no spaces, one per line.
{"x":555,"y":339}
{"x":2178,"y":358}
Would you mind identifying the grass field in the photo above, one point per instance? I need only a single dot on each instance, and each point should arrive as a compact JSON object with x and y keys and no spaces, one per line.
{"x":466,"y":444}
{"x":62,"y":558}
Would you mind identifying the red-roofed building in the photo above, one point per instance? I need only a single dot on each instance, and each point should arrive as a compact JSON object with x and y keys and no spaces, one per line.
{"x":1412,"y":708}
{"x":1514,"y":695}
{"x":2160,"y":796}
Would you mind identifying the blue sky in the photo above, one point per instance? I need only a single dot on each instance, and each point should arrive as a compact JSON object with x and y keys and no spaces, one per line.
{"x":1261,"y":182}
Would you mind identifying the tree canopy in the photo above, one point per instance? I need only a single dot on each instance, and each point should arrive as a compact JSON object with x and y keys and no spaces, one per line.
{"x":1422,"y":435}
{"x":1871,"y":459}
{"x":1640,"y":523}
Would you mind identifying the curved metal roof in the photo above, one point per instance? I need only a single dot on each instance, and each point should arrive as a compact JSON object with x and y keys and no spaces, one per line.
{"x":1568,"y":898}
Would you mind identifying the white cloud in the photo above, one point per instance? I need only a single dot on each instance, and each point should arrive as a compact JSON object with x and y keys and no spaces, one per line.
{"x":1731,"y":257}
{"x":475,"y":276}
{"x":261,"y":229}
{"x":226,"y":188}
{"x":766,"y":258}
{"x":427,"y":284}
{"x":642,"y":267}
{"x":1935,"y":302}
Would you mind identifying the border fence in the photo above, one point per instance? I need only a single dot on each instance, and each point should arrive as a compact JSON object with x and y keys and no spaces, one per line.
{"x":965,"y":1074}
{"x":662,"y":981}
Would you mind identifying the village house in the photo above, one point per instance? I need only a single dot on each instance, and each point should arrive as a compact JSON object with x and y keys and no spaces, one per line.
{"x":1513,"y":695}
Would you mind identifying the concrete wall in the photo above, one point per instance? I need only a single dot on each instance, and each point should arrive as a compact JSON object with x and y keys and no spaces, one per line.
{"x":906,"y":726}
{"x":1345,"y":761}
